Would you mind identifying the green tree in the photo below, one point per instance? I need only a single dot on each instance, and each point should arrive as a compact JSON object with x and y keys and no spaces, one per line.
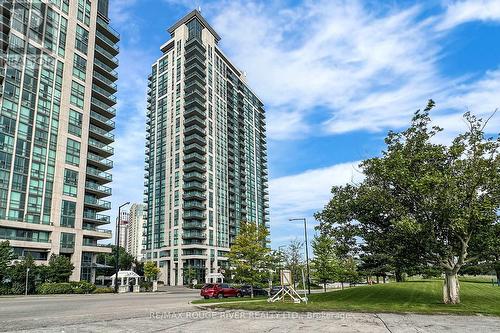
{"x":425,"y":199}
{"x":325,"y":261}
{"x":249,"y":254}
{"x":294,"y":261}
{"x":109,"y":259}
{"x":151,"y":271}
{"x":59,"y":268}
{"x":17,"y":273}
{"x":6,"y":257}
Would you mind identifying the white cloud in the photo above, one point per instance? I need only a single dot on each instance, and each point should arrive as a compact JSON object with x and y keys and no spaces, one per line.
{"x":303,"y":194}
{"x":459,"y":12}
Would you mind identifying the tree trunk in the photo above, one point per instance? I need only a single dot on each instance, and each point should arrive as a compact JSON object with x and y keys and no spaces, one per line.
{"x":324,"y":286}
{"x":498,"y":274}
{"x":342,"y":284}
{"x":399,"y":276}
{"x":451,"y":288}
{"x":378,"y":279}
{"x":251,"y":291}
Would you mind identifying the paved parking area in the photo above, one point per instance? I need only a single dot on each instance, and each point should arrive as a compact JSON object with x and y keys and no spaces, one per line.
{"x":171,"y":311}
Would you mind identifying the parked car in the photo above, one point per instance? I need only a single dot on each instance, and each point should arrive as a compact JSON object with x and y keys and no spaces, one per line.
{"x":219,"y":290}
{"x":246,"y":291}
{"x":275,"y":289}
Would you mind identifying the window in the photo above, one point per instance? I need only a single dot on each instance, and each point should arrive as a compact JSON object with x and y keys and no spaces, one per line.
{"x":70,"y":182}
{"x":79,"y":67}
{"x":73,"y":152}
{"x":82,"y":39}
{"x":75,"y":123}
{"x":84,"y":11}
{"x":77,"y":94}
{"x":67,"y":240}
{"x":68,"y":210}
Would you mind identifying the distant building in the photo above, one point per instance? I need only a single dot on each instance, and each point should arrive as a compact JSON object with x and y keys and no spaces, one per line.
{"x":124,"y":225}
{"x":135,"y":230}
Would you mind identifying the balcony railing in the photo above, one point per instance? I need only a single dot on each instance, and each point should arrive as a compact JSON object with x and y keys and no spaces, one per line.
{"x":102,"y":133}
{"x":103,"y":106}
{"x":97,"y":229}
{"x":99,"y":174}
{"x":98,"y":203}
{"x":101,"y":146}
{"x":102,"y":119}
{"x":105,"y":80}
{"x":103,"y":219}
{"x":107,"y":41}
{"x":98,"y":188}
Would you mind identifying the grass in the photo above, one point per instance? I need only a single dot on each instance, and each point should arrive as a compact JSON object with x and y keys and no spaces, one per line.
{"x":229,"y":300}
{"x":414,"y":297}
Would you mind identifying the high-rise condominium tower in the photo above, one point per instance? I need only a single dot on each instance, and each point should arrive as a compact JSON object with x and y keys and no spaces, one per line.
{"x":57,"y":85}
{"x":206,"y":168}
{"x":135,"y":230}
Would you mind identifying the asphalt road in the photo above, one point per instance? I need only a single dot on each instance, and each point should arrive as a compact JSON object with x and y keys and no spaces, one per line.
{"x":171,"y":312}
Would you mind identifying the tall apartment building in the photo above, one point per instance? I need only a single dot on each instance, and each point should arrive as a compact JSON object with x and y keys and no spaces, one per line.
{"x":57,"y":85}
{"x":135,"y":230}
{"x":124,"y":225}
{"x":206,"y":157}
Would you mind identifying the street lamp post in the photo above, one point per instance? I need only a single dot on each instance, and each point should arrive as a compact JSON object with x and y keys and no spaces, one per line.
{"x":27,"y":274}
{"x":117,"y":254}
{"x":307,"y":253}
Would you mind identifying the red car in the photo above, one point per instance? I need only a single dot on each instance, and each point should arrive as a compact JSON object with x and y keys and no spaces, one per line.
{"x":219,"y":290}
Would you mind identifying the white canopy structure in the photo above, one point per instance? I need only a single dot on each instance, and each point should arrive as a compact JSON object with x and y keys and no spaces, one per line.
{"x":214,"y":278}
{"x":125,"y":275}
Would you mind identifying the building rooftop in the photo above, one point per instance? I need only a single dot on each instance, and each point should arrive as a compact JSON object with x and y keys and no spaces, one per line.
{"x":194,"y":14}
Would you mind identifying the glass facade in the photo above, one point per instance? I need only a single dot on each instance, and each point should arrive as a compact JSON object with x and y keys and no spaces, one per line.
{"x":53,"y":91}
{"x":206,"y":166}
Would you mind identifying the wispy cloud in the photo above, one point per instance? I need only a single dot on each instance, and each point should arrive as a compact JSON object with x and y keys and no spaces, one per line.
{"x":459,"y":12}
{"x":301,"y":195}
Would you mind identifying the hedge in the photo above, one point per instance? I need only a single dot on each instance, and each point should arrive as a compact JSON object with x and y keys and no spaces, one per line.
{"x":74,"y":287}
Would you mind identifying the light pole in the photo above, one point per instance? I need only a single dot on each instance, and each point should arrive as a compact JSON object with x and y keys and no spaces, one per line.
{"x":117,"y":254}
{"x":307,"y":253}
{"x":27,"y":274}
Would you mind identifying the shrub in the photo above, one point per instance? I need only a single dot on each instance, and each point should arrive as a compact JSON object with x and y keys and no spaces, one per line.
{"x":103,"y":290}
{"x":146,"y":285}
{"x":198,"y":286}
{"x":82,"y":287}
{"x":74,"y":287}
{"x":54,"y":288}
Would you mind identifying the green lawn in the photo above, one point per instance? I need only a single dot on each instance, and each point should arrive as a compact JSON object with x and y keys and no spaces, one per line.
{"x":416,"y":296}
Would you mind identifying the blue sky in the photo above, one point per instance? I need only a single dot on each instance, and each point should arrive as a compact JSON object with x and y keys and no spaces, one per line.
{"x":334,"y":75}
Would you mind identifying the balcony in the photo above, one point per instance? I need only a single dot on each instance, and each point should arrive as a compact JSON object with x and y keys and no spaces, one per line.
{"x":194,"y":68}
{"x":103,"y":108}
{"x":105,"y":70}
{"x":99,"y":176}
{"x":100,"y":148}
{"x":194,"y":138}
{"x":189,"y":205}
{"x":99,"y":191}
{"x":194,"y":225}
{"x":105,"y":98}
{"x":194,"y":176}
{"x":194,"y":111}
{"x":105,"y":82}
{"x":194,"y":147}
{"x":67,"y":247}
{"x":194,"y":186}
{"x":194,"y":166}
{"x":106,"y":56}
{"x":194,"y":47}
{"x":194,"y":101}
{"x":97,"y":204}
{"x":101,"y":134}
{"x":195,"y":85}
{"x":99,"y":162}
{"x":96,"y":218}
{"x":107,"y":42}
{"x":194,"y":157}
{"x":194,"y":120}
{"x":194,"y":195}
{"x":107,"y":233}
{"x":194,"y":129}
{"x":193,"y":235}
{"x":106,"y":29}
{"x":101,"y":121}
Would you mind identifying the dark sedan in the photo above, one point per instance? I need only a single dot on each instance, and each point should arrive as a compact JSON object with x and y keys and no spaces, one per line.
{"x":246,"y":291}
